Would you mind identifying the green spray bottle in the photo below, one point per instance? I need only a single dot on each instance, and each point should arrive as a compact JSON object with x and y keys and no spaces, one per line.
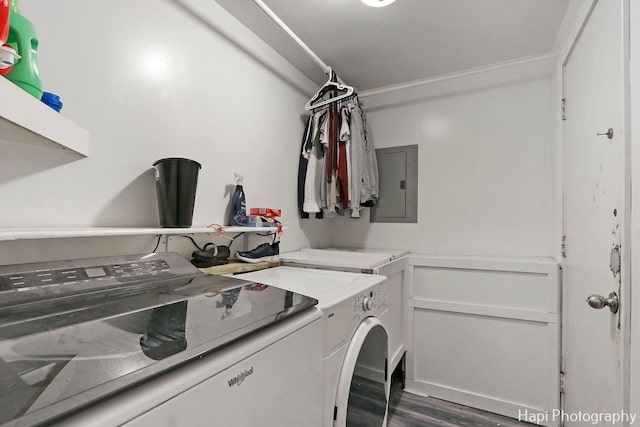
{"x":22,"y":36}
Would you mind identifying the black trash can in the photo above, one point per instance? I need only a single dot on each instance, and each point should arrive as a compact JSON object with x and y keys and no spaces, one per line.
{"x":176,"y":182}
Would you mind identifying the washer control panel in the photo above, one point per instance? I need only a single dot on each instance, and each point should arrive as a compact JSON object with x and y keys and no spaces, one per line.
{"x":21,"y":283}
{"x":72,"y":275}
{"x":370,"y":302}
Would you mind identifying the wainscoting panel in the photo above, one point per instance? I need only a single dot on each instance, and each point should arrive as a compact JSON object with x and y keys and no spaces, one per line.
{"x":485,"y":333}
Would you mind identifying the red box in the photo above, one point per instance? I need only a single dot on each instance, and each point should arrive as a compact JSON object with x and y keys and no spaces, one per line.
{"x":256,"y":287}
{"x":265,"y":212}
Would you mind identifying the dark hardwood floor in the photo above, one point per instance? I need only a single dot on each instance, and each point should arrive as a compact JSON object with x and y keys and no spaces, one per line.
{"x":366,"y":409}
{"x":409,"y":410}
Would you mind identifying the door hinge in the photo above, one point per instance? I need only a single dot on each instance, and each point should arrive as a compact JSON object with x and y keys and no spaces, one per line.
{"x":563,"y":247}
{"x":561,"y":382}
{"x":563,"y":109}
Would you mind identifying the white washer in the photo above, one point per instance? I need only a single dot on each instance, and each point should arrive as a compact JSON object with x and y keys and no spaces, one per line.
{"x":149,"y":340}
{"x":355,"y":341}
{"x":243,"y":384}
{"x":387,"y":262}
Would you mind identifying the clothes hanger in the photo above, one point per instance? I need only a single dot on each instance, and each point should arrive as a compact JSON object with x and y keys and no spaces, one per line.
{"x":329,"y":85}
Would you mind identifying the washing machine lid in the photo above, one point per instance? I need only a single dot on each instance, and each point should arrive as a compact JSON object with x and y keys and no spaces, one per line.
{"x":327,"y":286}
{"x":72,"y":332}
{"x":347,"y":258}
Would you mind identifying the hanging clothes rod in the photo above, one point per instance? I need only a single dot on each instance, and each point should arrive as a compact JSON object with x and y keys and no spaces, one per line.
{"x":271,"y":14}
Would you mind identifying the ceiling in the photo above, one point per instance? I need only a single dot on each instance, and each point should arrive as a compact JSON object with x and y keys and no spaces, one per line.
{"x":409,"y":40}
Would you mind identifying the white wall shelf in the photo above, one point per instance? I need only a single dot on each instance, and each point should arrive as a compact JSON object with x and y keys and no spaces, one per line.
{"x":24,"y":119}
{"x":72,"y":232}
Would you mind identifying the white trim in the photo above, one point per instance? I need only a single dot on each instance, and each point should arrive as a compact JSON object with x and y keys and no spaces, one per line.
{"x":542,"y":265}
{"x":486,"y":310}
{"x":626,"y":286}
{"x":500,"y":406}
{"x":497,"y":74}
{"x":634,"y":297}
{"x":397,"y":266}
{"x":460,"y":74}
{"x":574,"y":43}
{"x":410,"y":328}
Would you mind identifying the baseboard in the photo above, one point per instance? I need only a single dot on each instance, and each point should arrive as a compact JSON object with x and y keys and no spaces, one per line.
{"x":483,"y":402}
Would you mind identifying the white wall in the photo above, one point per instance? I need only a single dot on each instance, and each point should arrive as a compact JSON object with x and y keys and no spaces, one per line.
{"x":176,"y":78}
{"x":487,"y":182}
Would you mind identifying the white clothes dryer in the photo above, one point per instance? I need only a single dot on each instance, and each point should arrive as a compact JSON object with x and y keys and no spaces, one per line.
{"x":391,"y":263}
{"x":355,"y":342}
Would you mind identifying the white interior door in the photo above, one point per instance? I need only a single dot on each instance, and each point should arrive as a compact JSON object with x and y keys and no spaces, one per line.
{"x":595,"y":209}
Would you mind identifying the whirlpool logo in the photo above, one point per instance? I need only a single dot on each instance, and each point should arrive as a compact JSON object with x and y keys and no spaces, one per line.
{"x":239,"y":379}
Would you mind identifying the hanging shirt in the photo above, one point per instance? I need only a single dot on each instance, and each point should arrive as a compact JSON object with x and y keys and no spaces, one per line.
{"x":323,"y":138}
{"x":302,"y":168}
{"x":366,"y":158}
{"x":311,"y":152}
{"x":332,"y":159}
{"x":343,"y":158}
{"x":358,"y":159}
{"x":371,"y":184}
{"x":345,"y":135}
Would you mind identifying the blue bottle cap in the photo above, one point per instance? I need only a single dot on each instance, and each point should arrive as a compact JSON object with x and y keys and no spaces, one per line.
{"x":52,"y":100}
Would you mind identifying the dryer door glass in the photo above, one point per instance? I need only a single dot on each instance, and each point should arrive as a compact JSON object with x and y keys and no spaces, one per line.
{"x":363,"y":391}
